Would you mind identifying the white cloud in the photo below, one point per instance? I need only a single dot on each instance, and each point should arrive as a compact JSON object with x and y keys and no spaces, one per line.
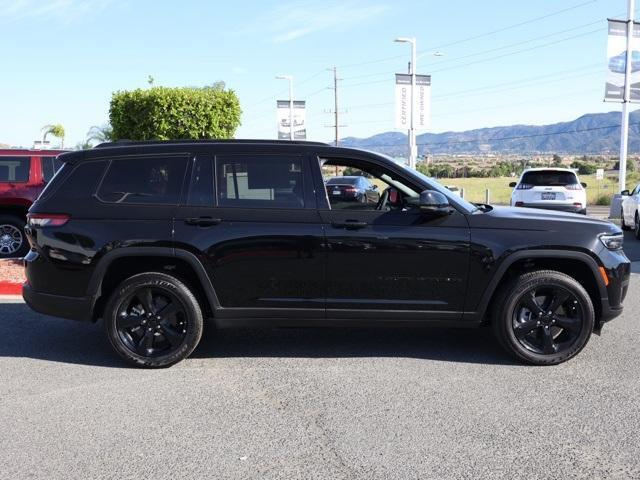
{"x":293,"y":20}
{"x":59,"y":10}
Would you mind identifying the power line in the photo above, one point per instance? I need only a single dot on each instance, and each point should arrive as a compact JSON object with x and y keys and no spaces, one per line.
{"x":474,"y":37}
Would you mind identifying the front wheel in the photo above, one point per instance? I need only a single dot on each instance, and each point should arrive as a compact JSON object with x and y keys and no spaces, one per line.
{"x":623,"y":224}
{"x":636,"y":226}
{"x":543,"y":317}
{"x":153,"y":320}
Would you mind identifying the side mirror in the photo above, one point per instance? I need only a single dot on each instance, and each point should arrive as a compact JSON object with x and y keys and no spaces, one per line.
{"x":512,"y":184}
{"x":624,"y":193}
{"x":584,"y":185}
{"x":434,"y":203}
{"x":375,"y":187}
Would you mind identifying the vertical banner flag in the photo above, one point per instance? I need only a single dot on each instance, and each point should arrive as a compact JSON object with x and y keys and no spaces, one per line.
{"x":617,"y":61}
{"x":299,"y":120}
{"x":422,"y":101}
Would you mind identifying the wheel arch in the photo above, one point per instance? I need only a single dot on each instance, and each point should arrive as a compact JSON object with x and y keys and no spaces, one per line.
{"x":578,"y":265}
{"x":117,"y":265}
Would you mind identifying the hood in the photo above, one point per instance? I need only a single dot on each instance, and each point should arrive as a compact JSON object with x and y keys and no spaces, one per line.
{"x":536,"y":219}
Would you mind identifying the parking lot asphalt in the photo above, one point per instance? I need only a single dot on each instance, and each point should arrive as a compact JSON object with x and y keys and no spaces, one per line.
{"x":316,"y":404}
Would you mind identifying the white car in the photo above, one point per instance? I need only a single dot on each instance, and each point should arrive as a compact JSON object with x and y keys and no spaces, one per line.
{"x":551,"y":189}
{"x":629,"y":214}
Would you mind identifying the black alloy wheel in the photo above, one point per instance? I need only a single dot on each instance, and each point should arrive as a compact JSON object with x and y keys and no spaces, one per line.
{"x":543,"y":317}
{"x":547,"y":320}
{"x":153,"y":320}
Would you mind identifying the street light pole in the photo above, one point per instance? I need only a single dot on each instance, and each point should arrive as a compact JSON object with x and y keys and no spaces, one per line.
{"x":413,"y":149}
{"x":290,"y":79}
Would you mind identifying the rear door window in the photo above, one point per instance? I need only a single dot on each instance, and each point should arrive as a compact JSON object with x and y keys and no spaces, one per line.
{"x":261,"y":181}
{"x":14,"y":169}
{"x":144,"y":180}
{"x":556,"y":178}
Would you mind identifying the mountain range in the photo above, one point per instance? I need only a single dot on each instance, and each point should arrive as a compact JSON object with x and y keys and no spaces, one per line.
{"x":592,"y":133}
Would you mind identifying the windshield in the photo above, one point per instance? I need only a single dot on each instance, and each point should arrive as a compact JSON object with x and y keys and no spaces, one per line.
{"x":549,"y":178}
{"x":343,"y":181}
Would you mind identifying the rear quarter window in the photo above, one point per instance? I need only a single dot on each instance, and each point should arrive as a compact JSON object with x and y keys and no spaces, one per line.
{"x":75,"y":182}
{"x":14,"y":169}
{"x":147,"y":180}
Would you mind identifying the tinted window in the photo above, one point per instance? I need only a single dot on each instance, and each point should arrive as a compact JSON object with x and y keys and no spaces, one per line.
{"x":80,"y":184}
{"x":549,"y":178}
{"x":14,"y":169}
{"x":149,"y":180}
{"x":259,"y":181}
{"x":201,"y":186}
{"x":50,"y":165}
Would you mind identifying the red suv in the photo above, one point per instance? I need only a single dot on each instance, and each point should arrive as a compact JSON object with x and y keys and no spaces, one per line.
{"x":23,"y":175}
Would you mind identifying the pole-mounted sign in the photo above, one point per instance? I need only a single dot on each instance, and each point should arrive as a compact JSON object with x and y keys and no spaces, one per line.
{"x":617,"y":62}
{"x":284,"y":120}
{"x":422,"y":101}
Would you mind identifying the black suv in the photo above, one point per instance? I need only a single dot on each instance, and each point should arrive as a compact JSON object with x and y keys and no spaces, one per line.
{"x":155,"y":237}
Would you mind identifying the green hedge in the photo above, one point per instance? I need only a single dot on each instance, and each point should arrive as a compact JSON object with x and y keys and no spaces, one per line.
{"x":161,"y":113}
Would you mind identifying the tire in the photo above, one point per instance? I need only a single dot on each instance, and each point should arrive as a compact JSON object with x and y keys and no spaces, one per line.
{"x":13,"y":242}
{"x":636,"y":226}
{"x":144,"y":336}
{"x":623,"y":224}
{"x":525,"y":335}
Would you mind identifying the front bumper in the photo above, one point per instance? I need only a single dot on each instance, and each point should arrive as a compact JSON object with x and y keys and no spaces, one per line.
{"x":73,"y":308}
{"x":618,"y":270}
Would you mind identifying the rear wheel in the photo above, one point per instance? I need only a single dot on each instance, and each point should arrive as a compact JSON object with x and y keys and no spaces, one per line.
{"x":153,"y":320}
{"x":543,"y":317}
{"x":13,"y":242}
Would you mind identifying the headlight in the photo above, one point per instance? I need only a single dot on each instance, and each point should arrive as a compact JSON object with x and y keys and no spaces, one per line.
{"x":612,"y":242}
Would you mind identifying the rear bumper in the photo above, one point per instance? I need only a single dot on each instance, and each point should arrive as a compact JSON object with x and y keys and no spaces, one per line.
{"x":73,"y":308}
{"x":556,"y":207}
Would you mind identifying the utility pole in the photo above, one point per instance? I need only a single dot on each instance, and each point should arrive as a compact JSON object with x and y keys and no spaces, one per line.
{"x":624,"y":130}
{"x":336,"y":112}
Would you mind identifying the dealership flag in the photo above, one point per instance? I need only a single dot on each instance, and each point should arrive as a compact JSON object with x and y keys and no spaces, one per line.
{"x":422,"y":101}
{"x":617,"y":60}
{"x":299,"y":120}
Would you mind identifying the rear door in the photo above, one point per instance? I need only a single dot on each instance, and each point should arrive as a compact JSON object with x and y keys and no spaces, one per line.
{"x":252,"y":219}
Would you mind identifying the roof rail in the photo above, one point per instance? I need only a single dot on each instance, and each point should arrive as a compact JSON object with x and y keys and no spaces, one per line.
{"x":127,"y":143}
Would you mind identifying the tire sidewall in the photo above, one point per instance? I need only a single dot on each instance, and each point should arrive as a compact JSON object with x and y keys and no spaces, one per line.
{"x":19,"y":224}
{"x":161,"y":282}
{"x":511,"y":302}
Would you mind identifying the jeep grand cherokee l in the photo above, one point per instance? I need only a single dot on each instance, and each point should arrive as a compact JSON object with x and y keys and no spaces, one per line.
{"x":155,"y":237}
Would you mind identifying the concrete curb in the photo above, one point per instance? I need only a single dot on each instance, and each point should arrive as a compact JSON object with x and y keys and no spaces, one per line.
{"x":9,"y":288}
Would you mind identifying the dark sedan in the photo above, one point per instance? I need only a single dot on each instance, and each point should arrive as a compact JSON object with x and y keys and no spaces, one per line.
{"x":356,"y":188}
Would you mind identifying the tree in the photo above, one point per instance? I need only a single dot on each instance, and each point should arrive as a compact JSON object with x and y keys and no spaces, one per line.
{"x":161,"y":113}
{"x":557,"y":160}
{"x":100,"y":134}
{"x":56,"y":130}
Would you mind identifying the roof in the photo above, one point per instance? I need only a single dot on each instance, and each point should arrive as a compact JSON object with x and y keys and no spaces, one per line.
{"x":29,"y":152}
{"x":129,"y":143}
{"x":550,"y":169}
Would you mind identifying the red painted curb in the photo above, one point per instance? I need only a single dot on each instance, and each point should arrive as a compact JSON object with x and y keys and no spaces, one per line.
{"x":8,"y":288}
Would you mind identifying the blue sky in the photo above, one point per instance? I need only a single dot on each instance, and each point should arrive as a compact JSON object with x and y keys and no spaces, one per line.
{"x":504,"y":62}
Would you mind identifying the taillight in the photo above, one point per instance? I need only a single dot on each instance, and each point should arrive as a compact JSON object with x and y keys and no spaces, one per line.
{"x":573,"y":186}
{"x":524,"y":186}
{"x":350,"y":189}
{"x":47,"y":219}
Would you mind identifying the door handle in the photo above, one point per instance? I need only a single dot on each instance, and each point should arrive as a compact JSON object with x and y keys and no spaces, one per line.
{"x":350,"y":224}
{"x":203,"y":221}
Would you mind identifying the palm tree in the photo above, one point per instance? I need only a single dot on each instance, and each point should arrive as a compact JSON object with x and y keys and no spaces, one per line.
{"x":100,"y":134}
{"x":56,"y":130}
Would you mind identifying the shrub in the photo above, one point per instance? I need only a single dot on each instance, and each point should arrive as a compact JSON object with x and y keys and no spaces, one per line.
{"x":161,"y":113}
{"x":603,"y":199}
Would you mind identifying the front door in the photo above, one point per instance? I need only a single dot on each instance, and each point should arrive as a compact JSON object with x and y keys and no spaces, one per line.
{"x":387,"y":259}
{"x":252,"y":218}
